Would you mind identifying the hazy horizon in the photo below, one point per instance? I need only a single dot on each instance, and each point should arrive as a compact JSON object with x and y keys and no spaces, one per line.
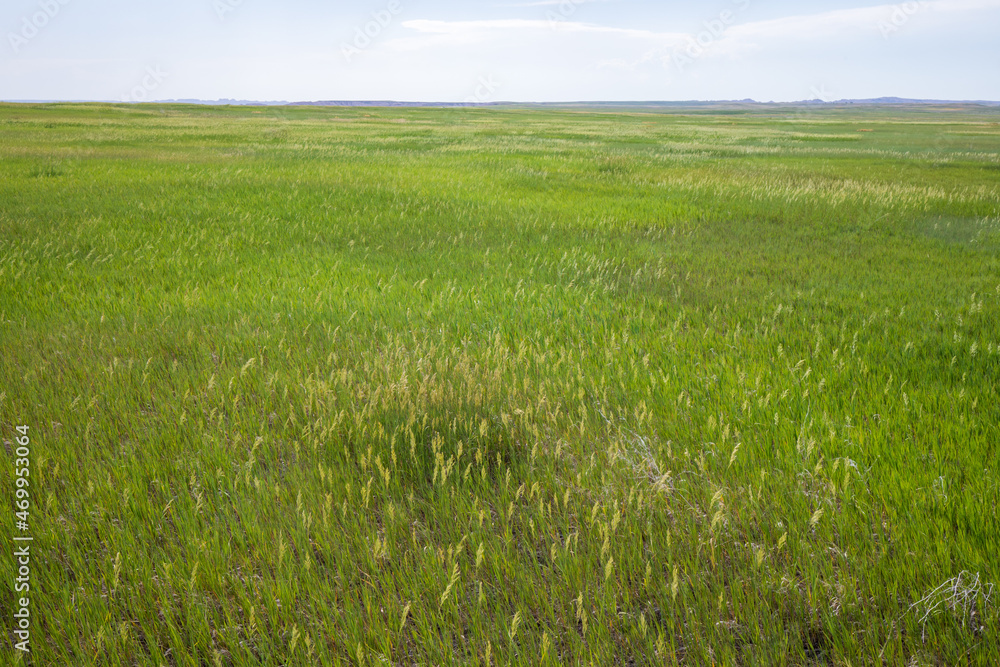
{"x":535,"y":51}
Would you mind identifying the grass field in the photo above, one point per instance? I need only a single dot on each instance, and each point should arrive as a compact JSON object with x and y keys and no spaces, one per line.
{"x":502,"y":386}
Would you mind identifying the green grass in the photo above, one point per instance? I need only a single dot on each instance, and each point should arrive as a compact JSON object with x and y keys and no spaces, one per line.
{"x":505,"y":386}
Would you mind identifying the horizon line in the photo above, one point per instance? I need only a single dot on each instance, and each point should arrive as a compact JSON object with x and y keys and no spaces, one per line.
{"x":887,"y":100}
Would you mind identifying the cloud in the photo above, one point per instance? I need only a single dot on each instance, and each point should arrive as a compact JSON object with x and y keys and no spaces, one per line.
{"x":638,"y":50}
{"x":962,"y":5}
{"x":506,"y":25}
{"x":823,"y":25}
{"x":434,"y":33}
{"x":839,"y":22}
{"x":551,"y":3}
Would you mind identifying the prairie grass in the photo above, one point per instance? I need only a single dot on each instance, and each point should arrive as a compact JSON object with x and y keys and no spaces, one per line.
{"x":505,"y":386}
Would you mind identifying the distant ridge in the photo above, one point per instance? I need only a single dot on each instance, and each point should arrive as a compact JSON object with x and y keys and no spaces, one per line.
{"x":220,"y":102}
{"x":228,"y":102}
{"x":579,"y":104}
{"x":655,"y":103}
{"x":393,"y":103}
{"x":899,"y":100}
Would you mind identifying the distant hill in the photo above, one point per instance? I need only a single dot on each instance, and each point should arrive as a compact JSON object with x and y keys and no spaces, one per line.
{"x":581,"y":104}
{"x":227,"y":101}
{"x":900,"y":100}
{"x":393,"y":103}
{"x":649,"y":103}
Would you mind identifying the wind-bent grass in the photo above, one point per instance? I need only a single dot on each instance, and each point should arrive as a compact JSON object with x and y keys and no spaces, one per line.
{"x":348,"y":386}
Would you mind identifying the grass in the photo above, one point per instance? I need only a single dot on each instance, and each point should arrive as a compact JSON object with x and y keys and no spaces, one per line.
{"x":504,"y":386}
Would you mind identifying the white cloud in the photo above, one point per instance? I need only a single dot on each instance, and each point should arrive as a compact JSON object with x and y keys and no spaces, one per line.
{"x":846,"y":21}
{"x":737,"y":38}
{"x":962,"y":5}
{"x":497,"y":25}
{"x":580,"y":55}
{"x":432,"y":33}
{"x":552,"y":3}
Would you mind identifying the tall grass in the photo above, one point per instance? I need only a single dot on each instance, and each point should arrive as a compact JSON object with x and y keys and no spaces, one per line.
{"x":357,"y":386}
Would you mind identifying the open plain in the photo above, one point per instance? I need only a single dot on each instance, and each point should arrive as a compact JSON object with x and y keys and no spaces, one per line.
{"x":708,"y":386}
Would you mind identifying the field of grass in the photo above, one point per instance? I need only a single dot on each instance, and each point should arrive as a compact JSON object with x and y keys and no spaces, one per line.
{"x":502,"y":386}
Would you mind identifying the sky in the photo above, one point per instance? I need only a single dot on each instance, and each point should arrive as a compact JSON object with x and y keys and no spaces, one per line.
{"x":498,"y":50}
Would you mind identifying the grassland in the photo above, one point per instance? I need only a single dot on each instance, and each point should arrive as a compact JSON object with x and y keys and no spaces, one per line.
{"x":469,"y":386}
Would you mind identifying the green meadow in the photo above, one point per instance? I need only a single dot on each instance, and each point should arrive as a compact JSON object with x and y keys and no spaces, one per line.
{"x":502,"y":386}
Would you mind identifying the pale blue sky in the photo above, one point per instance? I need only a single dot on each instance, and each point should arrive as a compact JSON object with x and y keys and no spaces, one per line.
{"x":489,"y":50}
